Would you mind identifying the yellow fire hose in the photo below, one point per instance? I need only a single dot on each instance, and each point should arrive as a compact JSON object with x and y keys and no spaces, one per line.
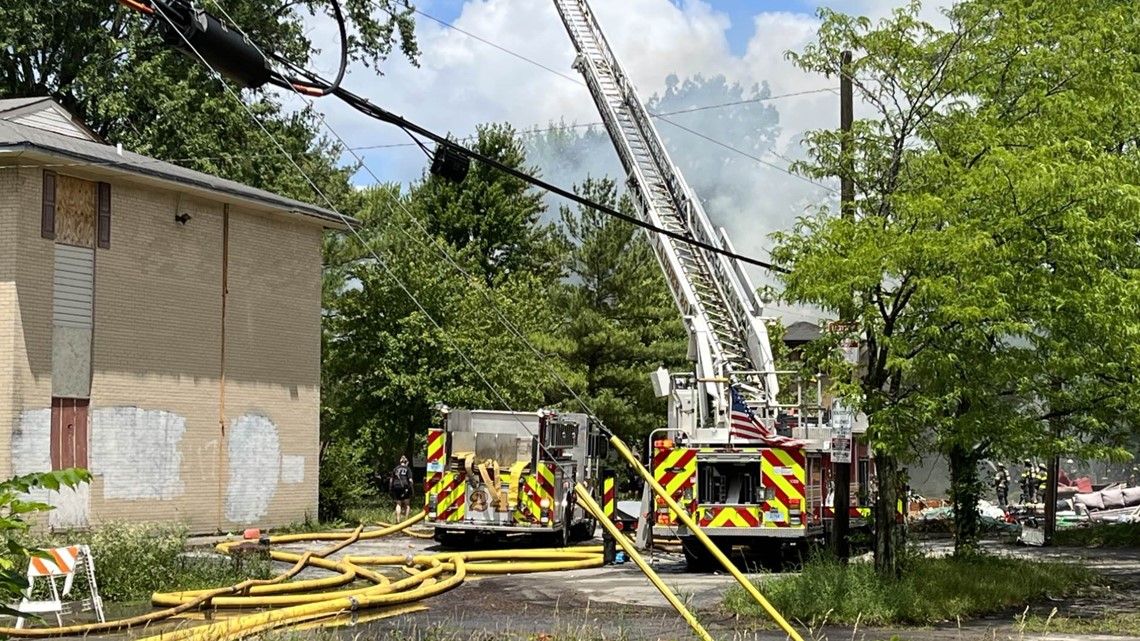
{"x":596,"y":510}
{"x":308,"y":603}
{"x":683,"y":514}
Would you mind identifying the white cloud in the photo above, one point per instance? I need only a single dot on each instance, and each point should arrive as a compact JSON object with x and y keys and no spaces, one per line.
{"x":462,"y":82}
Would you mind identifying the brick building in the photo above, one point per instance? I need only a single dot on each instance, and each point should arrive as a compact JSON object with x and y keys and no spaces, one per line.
{"x":159,"y":326}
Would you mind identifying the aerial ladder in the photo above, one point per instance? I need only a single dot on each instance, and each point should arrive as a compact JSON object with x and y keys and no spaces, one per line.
{"x":723,"y":456}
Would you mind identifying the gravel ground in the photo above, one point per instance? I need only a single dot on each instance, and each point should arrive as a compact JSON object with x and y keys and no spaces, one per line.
{"x":617,"y":602}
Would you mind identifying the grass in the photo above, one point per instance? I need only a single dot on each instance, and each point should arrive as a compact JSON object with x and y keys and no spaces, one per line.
{"x":134,"y":560}
{"x":1106,"y":535}
{"x":1123,"y":624}
{"x":931,"y":590}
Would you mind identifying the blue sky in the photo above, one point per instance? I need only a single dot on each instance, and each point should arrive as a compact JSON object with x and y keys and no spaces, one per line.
{"x":739,"y":12}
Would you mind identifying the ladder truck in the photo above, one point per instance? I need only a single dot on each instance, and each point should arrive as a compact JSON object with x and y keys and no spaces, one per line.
{"x":750,"y":469}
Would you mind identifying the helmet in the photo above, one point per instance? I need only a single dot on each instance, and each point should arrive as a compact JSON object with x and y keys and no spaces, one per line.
{"x":1001,"y":466}
{"x":403,"y":460}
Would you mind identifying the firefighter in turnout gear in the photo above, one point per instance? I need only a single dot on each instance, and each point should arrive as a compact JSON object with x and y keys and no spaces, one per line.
{"x":1041,"y":478}
{"x":1001,"y":485}
{"x":400,"y":485}
{"x":1026,"y":482}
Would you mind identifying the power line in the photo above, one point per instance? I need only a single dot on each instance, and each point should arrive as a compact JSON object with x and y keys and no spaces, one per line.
{"x":660,"y":116}
{"x":352,"y":229}
{"x":596,"y":123}
{"x":445,"y":145}
{"x":499,"y":47}
{"x":745,"y":154}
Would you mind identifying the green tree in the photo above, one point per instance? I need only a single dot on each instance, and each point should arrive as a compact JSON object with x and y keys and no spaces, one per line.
{"x":108,"y":65}
{"x":984,"y":249}
{"x":620,"y":323}
{"x":16,"y":507}
{"x":492,"y":219}
{"x":387,"y":362}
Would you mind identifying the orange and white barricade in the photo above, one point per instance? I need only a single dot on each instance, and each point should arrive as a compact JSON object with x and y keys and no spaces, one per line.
{"x":53,"y":564}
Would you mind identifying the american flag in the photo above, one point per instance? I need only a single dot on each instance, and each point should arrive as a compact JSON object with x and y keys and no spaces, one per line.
{"x":745,"y":426}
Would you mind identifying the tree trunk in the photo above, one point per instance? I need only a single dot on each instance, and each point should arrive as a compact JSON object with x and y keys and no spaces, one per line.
{"x":965,"y":492}
{"x":887,"y":530}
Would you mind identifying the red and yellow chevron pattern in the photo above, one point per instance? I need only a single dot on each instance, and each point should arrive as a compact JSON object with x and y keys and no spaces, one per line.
{"x":782,"y":472}
{"x":451,"y":504}
{"x":535,"y":488}
{"x":676,"y":471}
{"x":436,"y":463}
{"x":730,"y":516}
{"x":609,"y":498}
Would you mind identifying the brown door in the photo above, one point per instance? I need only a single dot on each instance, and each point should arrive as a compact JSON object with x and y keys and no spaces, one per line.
{"x":68,"y":433}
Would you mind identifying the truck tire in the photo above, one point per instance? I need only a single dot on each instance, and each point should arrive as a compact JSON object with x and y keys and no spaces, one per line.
{"x":454,"y":540}
{"x":700,"y":559}
{"x":585,"y":529}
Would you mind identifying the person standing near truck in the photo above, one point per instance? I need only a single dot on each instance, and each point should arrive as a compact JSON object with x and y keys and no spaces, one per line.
{"x":400,"y":485}
{"x":1001,"y":485}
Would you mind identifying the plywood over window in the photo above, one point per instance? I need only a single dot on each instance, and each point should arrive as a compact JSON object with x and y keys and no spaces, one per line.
{"x":76,"y":202}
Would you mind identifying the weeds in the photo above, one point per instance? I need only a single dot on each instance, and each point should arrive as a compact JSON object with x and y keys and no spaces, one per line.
{"x":932,"y":590}
{"x":134,"y":560}
{"x":1122,"y":623}
{"x":1107,"y":535}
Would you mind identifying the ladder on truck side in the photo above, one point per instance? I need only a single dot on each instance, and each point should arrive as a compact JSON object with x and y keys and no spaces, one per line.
{"x":728,"y":338}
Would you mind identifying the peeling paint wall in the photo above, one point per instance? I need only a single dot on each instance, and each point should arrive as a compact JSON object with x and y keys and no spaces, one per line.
{"x":292,"y":469}
{"x":138,"y":452}
{"x":255,"y":463}
{"x":31,"y":452}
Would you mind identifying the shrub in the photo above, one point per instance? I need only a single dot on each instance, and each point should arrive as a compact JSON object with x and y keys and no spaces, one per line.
{"x":931,"y":590}
{"x":344,"y":479}
{"x":134,"y":560}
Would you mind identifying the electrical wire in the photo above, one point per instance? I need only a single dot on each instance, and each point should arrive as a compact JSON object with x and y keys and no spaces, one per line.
{"x":367,"y":108}
{"x":302,"y":86}
{"x":542,"y":359}
{"x":597,"y":123}
{"x":652,"y":115}
{"x":389,"y":273}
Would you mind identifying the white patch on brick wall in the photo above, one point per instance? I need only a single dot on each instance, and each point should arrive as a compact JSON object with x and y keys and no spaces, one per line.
{"x":72,"y":506}
{"x":255,"y":463}
{"x":292,"y":469}
{"x":31,"y":452}
{"x":138,"y":453}
{"x":31,"y":442}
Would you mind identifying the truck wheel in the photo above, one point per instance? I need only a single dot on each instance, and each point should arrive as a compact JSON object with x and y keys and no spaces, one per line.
{"x":700,"y":559}
{"x":585,"y":530}
{"x":697,"y":558}
{"x":453,"y":540}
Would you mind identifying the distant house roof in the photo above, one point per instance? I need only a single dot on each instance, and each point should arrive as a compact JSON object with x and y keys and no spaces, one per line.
{"x":800,"y":333}
{"x":22,"y":134}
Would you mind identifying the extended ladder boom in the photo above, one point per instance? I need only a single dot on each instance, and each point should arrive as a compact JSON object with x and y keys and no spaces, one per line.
{"x":728,"y":338}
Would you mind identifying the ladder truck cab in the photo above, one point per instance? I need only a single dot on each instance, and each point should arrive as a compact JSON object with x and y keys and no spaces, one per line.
{"x":494,"y":474}
{"x":748,"y":468}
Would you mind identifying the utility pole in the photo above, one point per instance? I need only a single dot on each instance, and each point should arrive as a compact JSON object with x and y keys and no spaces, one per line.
{"x":841,"y":470}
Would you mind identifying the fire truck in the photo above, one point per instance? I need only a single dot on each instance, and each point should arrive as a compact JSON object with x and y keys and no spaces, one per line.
{"x":492,"y":474}
{"x":749,"y":463}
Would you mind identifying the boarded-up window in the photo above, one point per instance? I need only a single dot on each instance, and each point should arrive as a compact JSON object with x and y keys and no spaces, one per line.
{"x":73,"y":295}
{"x":75,"y":205}
{"x":47,"y":212}
{"x":73,"y":286}
{"x":68,"y":433}
{"x":104,"y":212}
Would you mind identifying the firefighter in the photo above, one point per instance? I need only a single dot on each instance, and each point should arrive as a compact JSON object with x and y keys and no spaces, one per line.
{"x":1026,"y":482}
{"x":1041,"y":476}
{"x":400,"y":485}
{"x":1001,"y":485}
